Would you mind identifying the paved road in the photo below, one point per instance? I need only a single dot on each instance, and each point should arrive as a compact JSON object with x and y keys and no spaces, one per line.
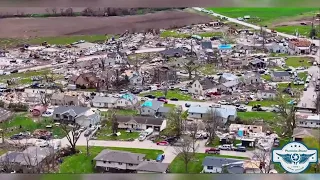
{"x":308,"y":97}
{"x":316,"y":42}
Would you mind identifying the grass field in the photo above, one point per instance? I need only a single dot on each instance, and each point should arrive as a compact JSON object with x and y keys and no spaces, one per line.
{"x":105,"y":132}
{"x":195,"y":166}
{"x":208,"y":69}
{"x":267,"y":116}
{"x":303,"y":30}
{"x":60,"y":40}
{"x":266,"y":15}
{"x":80,"y":163}
{"x":298,"y":62}
{"x":22,"y":123}
{"x":264,"y":103}
{"x":171,"y":94}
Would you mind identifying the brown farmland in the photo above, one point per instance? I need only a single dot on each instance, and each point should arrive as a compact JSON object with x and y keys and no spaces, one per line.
{"x":59,"y":26}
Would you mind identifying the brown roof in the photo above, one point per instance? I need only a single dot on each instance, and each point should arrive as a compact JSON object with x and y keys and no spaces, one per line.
{"x":141,"y":120}
{"x":305,"y":132}
{"x":300,"y":42}
{"x":91,"y":77}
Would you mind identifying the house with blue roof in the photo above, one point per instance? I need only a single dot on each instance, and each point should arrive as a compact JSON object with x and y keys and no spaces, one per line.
{"x":225,"y":48}
{"x":151,"y":108}
{"x":225,"y":113}
{"x":125,"y":101}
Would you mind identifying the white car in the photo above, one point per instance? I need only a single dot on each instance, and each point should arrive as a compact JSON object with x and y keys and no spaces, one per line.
{"x":223,"y":102}
{"x":41,"y":143}
{"x":142,"y":137}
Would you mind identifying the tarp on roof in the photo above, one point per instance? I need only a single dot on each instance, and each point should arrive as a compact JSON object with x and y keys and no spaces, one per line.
{"x":147,"y":104}
{"x":224,"y":46}
{"x":128,"y":97}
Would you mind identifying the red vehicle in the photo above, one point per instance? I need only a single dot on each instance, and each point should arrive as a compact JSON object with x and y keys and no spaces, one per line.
{"x":163,"y":100}
{"x":162,"y":143}
{"x":213,"y":94}
{"x":213,"y":151}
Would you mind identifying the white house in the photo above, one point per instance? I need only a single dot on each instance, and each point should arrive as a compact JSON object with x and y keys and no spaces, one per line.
{"x":141,"y":123}
{"x":267,"y":94}
{"x":125,"y":101}
{"x":300,"y":46}
{"x":213,"y":164}
{"x":229,"y":86}
{"x":308,"y":121}
{"x":127,"y":162}
{"x":150,"y":108}
{"x":201,"y":87}
{"x":226,"y":113}
{"x":280,"y":76}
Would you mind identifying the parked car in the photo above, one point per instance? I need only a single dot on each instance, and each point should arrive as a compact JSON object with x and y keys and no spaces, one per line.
{"x":171,"y":139}
{"x":174,"y":99}
{"x":187,"y":105}
{"x":240,"y":149}
{"x":142,"y":137}
{"x":227,"y":147}
{"x":223,"y":102}
{"x":241,"y":109}
{"x":215,"y":106}
{"x":16,"y":137}
{"x":163,"y":143}
{"x":258,"y":107}
{"x":160,"y":158}
{"x":150,"y":96}
{"x":14,"y":71}
{"x":163,"y":100}
{"x":276,"y":143}
{"x":213,"y":151}
{"x":41,"y":143}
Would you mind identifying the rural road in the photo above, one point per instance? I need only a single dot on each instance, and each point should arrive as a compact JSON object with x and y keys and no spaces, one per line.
{"x":316,"y":42}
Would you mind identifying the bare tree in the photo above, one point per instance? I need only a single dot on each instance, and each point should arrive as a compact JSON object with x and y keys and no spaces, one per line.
{"x":193,"y":129}
{"x":185,"y":153}
{"x":263,"y":160}
{"x":72,"y":134}
{"x":54,"y":11}
{"x":211,"y":121}
{"x":191,"y":67}
{"x":114,"y":123}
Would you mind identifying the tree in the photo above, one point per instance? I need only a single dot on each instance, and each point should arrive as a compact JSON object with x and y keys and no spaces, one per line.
{"x":185,"y":153}
{"x":263,"y":160}
{"x":72,"y":134}
{"x":287,"y":114}
{"x":174,"y":121}
{"x":190,"y":67}
{"x":211,"y":121}
{"x":114,"y":123}
{"x":193,"y":129}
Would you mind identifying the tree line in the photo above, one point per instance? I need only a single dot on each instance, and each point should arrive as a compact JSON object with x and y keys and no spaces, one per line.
{"x":97,"y":12}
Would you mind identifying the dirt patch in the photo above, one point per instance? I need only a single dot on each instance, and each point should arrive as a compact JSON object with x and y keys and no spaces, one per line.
{"x":38,"y":27}
{"x":295,"y":22}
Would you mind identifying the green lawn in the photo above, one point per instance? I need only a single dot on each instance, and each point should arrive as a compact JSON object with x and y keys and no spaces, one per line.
{"x":171,"y":94}
{"x":174,"y":34}
{"x":298,"y":62}
{"x":169,"y":105}
{"x":303,"y":75}
{"x":267,"y":77}
{"x":210,"y":34}
{"x":195,"y":166}
{"x":279,"y":55}
{"x":2,"y":151}
{"x":302,"y":30}
{"x":80,"y":163}
{"x":264,"y":103}
{"x":26,"y":75}
{"x":208,"y":69}
{"x":282,"y":86}
{"x":22,"y":123}
{"x":266,"y":15}
{"x":61,"y":40}
{"x":267,"y":116}
{"x":123,"y":112}
{"x":105,"y":132}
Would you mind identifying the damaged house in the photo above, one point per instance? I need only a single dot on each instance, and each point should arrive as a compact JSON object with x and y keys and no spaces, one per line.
{"x":164,"y":73}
